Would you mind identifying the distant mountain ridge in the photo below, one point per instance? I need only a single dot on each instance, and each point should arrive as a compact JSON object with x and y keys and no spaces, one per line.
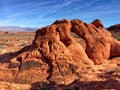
{"x":16,"y":28}
{"x":113,"y":28}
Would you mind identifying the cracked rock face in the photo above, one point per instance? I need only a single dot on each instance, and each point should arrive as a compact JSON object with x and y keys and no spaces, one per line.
{"x":55,"y":56}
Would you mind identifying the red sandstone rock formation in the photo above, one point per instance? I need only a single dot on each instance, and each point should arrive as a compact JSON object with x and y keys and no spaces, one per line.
{"x":55,"y":56}
{"x":100,"y":45}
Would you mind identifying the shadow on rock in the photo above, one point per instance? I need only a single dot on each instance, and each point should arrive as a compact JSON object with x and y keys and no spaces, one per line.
{"x":8,"y":56}
{"x":95,"y":85}
{"x":42,"y":86}
{"x":79,"y":85}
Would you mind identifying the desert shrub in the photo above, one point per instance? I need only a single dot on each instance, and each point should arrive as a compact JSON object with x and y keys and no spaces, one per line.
{"x":117,"y":37}
{"x":2,"y":46}
{"x":23,"y":44}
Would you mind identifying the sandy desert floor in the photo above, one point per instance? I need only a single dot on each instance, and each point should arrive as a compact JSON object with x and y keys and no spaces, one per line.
{"x":11,"y":42}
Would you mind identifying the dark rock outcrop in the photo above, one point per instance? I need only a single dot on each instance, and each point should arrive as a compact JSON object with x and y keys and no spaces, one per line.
{"x":114,"y":28}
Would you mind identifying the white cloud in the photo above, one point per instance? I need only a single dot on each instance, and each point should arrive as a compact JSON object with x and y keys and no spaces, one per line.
{"x":33,"y":13}
{"x":61,"y":5}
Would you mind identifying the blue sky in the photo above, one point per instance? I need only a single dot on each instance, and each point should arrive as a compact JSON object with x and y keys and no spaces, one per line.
{"x":39,"y":13}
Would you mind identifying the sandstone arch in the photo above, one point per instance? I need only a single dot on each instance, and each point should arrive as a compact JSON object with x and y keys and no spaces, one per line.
{"x":54,"y":56}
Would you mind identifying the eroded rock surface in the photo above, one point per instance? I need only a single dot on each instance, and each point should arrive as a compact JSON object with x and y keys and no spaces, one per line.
{"x":54,"y":56}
